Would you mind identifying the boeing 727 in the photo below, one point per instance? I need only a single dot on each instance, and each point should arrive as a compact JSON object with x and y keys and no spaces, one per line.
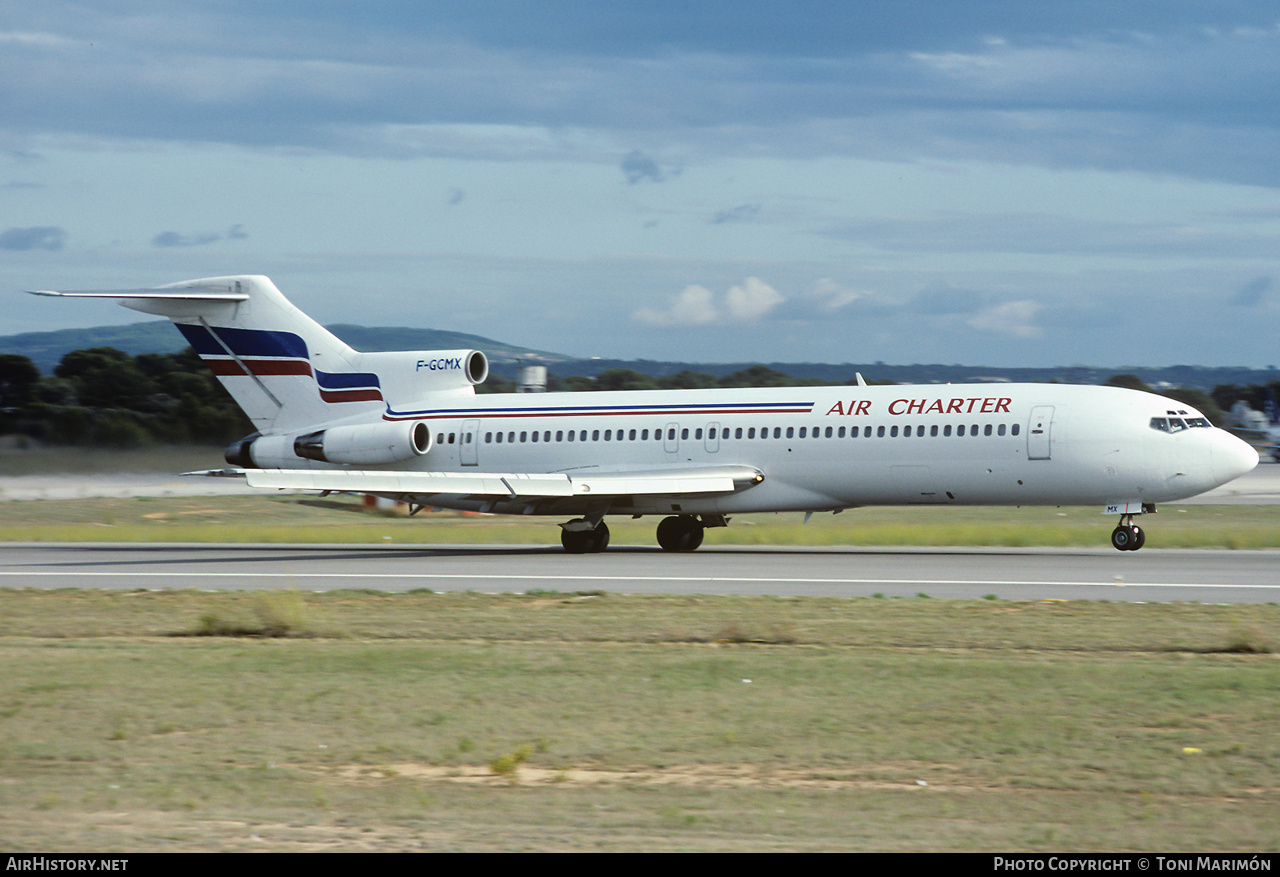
{"x":410,"y":426}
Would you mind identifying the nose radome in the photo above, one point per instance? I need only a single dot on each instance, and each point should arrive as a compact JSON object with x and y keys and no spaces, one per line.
{"x":1232,"y":458}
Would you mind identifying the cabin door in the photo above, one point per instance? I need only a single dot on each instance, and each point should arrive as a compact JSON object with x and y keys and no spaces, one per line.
{"x":1038,"y":432}
{"x":470,"y":452}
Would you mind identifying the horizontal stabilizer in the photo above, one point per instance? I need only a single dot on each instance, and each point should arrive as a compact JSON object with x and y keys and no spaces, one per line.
{"x":206,"y":295}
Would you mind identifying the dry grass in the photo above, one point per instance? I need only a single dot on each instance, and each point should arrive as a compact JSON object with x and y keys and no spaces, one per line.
{"x":566,"y":722}
{"x":342,"y":519}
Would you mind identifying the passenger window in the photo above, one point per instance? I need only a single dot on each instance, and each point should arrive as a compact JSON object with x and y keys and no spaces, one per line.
{"x":960,"y":429}
{"x":632,"y":435}
{"x":987,"y":430}
{"x":1000,"y":430}
{"x":1017,"y":428}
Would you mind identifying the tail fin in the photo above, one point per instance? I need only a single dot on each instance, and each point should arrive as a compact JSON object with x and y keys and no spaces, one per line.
{"x":286,"y":371}
{"x":267,"y":353}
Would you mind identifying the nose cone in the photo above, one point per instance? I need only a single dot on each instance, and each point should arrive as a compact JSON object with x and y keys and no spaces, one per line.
{"x":1231,"y":457}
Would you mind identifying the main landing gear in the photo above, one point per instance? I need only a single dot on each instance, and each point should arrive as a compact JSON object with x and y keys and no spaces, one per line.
{"x":680,"y":533}
{"x":579,"y":537}
{"x":675,"y":533}
{"x":1128,"y":536}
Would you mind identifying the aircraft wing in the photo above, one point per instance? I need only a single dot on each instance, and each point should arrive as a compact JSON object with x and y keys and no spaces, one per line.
{"x":512,"y":485}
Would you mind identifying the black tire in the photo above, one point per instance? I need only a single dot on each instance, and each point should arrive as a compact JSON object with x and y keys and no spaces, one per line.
{"x":680,"y":533}
{"x":599,"y":538}
{"x":576,"y":541}
{"x":1128,"y":538}
{"x":1121,"y":538}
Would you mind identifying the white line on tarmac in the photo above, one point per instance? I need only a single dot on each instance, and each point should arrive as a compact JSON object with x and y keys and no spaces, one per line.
{"x":615,"y":578}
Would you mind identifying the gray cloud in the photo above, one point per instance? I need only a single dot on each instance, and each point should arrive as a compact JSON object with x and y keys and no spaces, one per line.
{"x":39,"y":237}
{"x":637,"y":166}
{"x":741,"y":213}
{"x":1252,"y":293}
{"x":174,"y":239}
{"x":1191,"y":91}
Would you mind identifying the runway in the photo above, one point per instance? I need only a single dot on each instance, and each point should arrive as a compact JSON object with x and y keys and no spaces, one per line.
{"x":1012,"y":574}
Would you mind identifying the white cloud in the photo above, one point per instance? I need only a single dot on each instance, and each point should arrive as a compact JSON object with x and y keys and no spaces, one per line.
{"x":697,"y":306}
{"x":1014,"y":318}
{"x":752,"y":300}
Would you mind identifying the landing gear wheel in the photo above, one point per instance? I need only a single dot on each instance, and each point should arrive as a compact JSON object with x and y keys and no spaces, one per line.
{"x":585,"y":541}
{"x":599,"y":538}
{"x":680,"y":533}
{"x":1127,"y":537}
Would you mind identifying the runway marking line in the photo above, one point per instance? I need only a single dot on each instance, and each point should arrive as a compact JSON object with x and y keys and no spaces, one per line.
{"x":581,"y":578}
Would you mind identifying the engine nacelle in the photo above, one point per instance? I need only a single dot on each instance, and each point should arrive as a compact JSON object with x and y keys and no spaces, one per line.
{"x":364,"y":444}
{"x":407,"y":377}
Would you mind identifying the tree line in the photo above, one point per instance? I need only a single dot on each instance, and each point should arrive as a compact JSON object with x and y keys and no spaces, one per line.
{"x":105,"y":397}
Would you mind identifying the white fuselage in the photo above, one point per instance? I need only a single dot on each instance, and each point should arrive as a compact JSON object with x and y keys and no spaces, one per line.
{"x":822,"y":448}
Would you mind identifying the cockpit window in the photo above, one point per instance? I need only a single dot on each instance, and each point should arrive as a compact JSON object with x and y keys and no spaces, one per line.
{"x":1177,"y":424}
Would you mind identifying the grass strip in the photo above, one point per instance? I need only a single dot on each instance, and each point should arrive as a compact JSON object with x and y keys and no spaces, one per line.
{"x":311,"y":519}
{"x":561,"y":721}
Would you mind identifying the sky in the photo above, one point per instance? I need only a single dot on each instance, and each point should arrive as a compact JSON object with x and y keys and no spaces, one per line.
{"x":986,"y":182}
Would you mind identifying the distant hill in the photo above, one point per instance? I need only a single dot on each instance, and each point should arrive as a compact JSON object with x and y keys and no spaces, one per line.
{"x":158,"y":336}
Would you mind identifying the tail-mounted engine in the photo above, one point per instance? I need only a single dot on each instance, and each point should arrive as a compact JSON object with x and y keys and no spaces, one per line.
{"x":365,"y":444}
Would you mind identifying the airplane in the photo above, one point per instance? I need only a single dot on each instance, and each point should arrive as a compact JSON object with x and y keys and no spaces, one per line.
{"x":1266,"y":435}
{"x":409,"y":426}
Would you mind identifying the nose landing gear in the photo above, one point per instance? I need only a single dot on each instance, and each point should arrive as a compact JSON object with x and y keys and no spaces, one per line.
{"x":1128,"y":536}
